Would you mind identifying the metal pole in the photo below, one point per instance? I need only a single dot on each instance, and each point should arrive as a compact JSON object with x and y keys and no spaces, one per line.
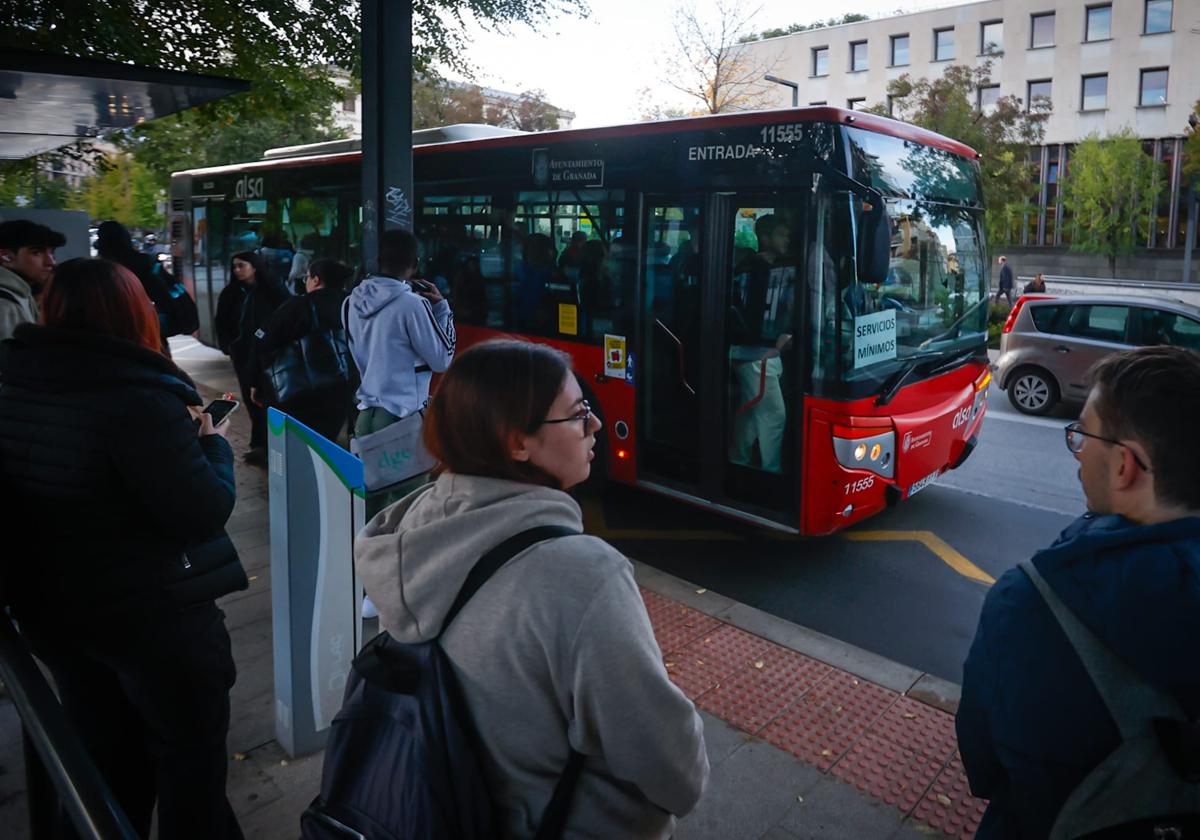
{"x":1193,"y":206}
{"x":786,"y":83}
{"x":387,"y":179}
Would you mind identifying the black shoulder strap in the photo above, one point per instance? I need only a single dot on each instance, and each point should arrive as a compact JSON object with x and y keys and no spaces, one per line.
{"x":487,"y":565}
{"x":8,"y":294}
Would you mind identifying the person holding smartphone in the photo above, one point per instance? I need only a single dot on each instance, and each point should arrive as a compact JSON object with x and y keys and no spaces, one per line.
{"x":111,"y":469}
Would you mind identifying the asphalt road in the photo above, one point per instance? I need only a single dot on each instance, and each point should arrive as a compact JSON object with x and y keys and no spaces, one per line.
{"x":894,"y":597}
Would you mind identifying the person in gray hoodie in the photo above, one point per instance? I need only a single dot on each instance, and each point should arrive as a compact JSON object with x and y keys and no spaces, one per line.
{"x":401,"y":332}
{"x":26,"y":262}
{"x":555,"y":651}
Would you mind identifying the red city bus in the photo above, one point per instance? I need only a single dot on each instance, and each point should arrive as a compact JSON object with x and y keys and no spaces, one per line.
{"x":780,"y":316}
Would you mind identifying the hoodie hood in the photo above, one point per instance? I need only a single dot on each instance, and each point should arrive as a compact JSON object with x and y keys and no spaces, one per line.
{"x":1137,"y":587}
{"x":374,"y":293}
{"x":415,"y":555}
{"x":15,"y":283}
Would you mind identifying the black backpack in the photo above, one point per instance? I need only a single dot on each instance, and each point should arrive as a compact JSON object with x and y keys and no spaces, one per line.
{"x":178,"y":314}
{"x":1149,"y":786}
{"x":401,"y":762}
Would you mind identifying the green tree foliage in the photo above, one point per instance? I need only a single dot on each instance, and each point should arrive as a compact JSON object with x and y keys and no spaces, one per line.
{"x":1110,"y":191}
{"x":437,"y":101}
{"x":1191,"y":151}
{"x":282,"y":46}
{"x":528,"y":112}
{"x":1002,"y":134}
{"x":125,"y":190}
{"x":849,"y":17}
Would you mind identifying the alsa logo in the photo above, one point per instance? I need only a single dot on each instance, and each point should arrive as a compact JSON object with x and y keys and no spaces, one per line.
{"x":248,"y":188}
{"x":912,"y":441}
{"x":961,"y":417}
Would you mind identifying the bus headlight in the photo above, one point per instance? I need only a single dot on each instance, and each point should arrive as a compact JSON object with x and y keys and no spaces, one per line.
{"x":869,"y":449}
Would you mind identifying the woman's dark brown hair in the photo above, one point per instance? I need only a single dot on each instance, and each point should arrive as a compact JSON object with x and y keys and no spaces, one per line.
{"x":101,"y":297}
{"x":490,"y":393}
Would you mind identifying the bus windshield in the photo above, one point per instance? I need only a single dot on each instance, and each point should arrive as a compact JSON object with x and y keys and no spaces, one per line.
{"x":933,"y":301}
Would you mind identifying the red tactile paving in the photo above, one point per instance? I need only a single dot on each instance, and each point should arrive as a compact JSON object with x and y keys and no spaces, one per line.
{"x":948,"y":806}
{"x":655,"y":602}
{"x":702,"y":664}
{"x":918,"y":727}
{"x":676,"y":626}
{"x":826,"y":721}
{"x":885,"y":771}
{"x":754,"y":696}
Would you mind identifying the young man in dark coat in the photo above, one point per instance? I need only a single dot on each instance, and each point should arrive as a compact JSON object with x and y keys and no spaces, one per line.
{"x":1031,"y":724}
{"x":1006,"y":281}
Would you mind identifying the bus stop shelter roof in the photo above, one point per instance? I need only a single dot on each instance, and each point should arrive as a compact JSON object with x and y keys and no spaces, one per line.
{"x":47,"y":101}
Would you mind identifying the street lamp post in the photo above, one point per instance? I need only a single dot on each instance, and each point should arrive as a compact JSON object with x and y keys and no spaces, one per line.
{"x":793,"y":85}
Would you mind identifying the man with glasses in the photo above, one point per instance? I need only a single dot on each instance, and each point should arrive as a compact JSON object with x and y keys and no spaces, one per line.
{"x":1031,"y":723}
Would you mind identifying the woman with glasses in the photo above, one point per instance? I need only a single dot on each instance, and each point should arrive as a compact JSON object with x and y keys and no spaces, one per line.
{"x":555,"y":652}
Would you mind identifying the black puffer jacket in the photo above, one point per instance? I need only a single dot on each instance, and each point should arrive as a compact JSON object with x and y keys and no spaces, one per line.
{"x":103,"y":479}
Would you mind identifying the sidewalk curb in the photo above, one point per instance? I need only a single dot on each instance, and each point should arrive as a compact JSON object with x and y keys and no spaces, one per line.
{"x":909,"y":682}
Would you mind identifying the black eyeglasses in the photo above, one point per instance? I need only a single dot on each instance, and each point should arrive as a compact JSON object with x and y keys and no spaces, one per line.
{"x":1075,"y":439}
{"x":584,"y":414}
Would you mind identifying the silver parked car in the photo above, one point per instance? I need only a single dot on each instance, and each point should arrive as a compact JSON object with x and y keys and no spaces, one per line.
{"x":1049,"y":343}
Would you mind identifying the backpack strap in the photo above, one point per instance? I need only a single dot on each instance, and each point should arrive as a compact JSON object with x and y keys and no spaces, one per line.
{"x":491,"y":562}
{"x":9,"y":295}
{"x":1131,"y":700}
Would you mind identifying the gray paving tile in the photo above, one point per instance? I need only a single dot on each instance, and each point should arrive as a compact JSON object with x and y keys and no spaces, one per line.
{"x":721,"y":739}
{"x":748,"y":793}
{"x":777,"y":833}
{"x":833,"y":810}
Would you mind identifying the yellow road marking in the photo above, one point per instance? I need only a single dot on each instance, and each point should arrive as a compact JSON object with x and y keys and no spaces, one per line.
{"x":934,"y":543}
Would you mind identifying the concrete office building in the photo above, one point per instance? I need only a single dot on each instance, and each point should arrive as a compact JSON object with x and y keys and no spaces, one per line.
{"x":1103,"y":66}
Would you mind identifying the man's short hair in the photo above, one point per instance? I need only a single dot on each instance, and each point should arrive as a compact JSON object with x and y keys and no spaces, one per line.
{"x":22,"y":233}
{"x":1002,"y":258}
{"x":397,"y":251}
{"x":764,"y":226}
{"x":1152,"y":395}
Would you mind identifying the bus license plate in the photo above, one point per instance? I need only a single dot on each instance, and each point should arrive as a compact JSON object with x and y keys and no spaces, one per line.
{"x":921,"y":484}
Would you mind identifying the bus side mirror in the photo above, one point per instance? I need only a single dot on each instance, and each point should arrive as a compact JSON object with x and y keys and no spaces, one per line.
{"x":874,"y":244}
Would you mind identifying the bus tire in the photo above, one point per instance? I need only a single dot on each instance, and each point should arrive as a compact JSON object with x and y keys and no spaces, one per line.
{"x":597,"y":481}
{"x":1032,"y":390}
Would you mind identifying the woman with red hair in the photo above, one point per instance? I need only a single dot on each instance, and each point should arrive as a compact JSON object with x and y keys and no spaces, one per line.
{"x":124,"y":486}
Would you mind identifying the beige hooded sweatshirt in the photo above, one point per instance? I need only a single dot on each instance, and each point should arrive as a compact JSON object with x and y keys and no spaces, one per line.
{"x":555,"y":650}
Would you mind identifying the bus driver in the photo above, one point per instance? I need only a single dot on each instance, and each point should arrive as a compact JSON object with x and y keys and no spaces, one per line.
{"x":763,"y":296}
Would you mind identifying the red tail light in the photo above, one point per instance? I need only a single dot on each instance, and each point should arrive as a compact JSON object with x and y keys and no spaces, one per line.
{"x":1016,"y":310}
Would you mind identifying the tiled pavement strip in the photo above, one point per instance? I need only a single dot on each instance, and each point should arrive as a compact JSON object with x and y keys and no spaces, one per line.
{"x":800,"y":748}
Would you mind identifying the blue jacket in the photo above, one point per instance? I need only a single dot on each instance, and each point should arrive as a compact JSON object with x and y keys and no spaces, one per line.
{"x":393,"y":331}
{"x":1031,"y":724}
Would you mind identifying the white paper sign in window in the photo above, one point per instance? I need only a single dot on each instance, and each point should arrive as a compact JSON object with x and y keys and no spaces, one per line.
{"x":874,"y":338}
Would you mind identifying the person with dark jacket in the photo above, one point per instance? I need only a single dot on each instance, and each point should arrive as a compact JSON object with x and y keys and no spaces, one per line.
{"x":114,"y":243}
{"x":1006,"y":281}
{"x":1031,"y":724}
{"x":242,"y":308}
{"x":318,"y":309}
{"x":123,"y":488}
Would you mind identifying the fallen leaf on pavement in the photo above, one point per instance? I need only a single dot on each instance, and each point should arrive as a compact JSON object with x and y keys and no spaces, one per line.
{"x":943,"y":798}
{"x":701,"y":591}
{"x":253,"y":577}
{"x":826,"y":753}
{"x":909,"y":716}
{"x":759,"y":664}
{"x":240,"y":756}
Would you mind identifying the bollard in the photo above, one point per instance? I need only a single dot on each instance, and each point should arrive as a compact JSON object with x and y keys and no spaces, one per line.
{"x":317,"y":506}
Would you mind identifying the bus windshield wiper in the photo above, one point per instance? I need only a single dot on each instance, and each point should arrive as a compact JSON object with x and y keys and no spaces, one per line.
{"x":892,"y":384}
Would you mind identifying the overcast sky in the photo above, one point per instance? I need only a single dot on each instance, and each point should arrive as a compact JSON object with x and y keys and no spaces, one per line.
{"x":597,"y":66}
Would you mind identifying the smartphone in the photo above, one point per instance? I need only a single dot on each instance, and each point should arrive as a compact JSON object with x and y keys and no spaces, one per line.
{"x":221,"y":409}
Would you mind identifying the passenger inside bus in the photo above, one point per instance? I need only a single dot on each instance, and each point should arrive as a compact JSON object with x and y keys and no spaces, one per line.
{"x":762,"y":313}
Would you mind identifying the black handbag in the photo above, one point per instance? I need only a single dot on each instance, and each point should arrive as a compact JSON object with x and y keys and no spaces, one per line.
{"x":311,"y":364}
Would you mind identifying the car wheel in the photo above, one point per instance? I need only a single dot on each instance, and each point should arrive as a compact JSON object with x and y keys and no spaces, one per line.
{"x":1032,"y":391}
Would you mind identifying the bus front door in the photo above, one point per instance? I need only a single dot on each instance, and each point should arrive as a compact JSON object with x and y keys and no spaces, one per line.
{"x":718,"y":373}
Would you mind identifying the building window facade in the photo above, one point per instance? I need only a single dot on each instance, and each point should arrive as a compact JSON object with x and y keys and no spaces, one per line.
{"x":894,"y":104}
{"x":991,"y":37}
{"x":1038,"y":95}
{"x":820,"y":61}
{"x":815,"y":104}
{"x":857,"y":103}
{"x":1158,"y":16}
{"x":1099,"y":23}
{"x":1041,"y":30}
{"x":986,"y":98}
{"x":1095,"y":93}
{"x":349,"y":102}
{"x":899,"y":50}
{"x":1153,"y":87}
{"x":858,"y":56}
{"x":943,"y":45}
